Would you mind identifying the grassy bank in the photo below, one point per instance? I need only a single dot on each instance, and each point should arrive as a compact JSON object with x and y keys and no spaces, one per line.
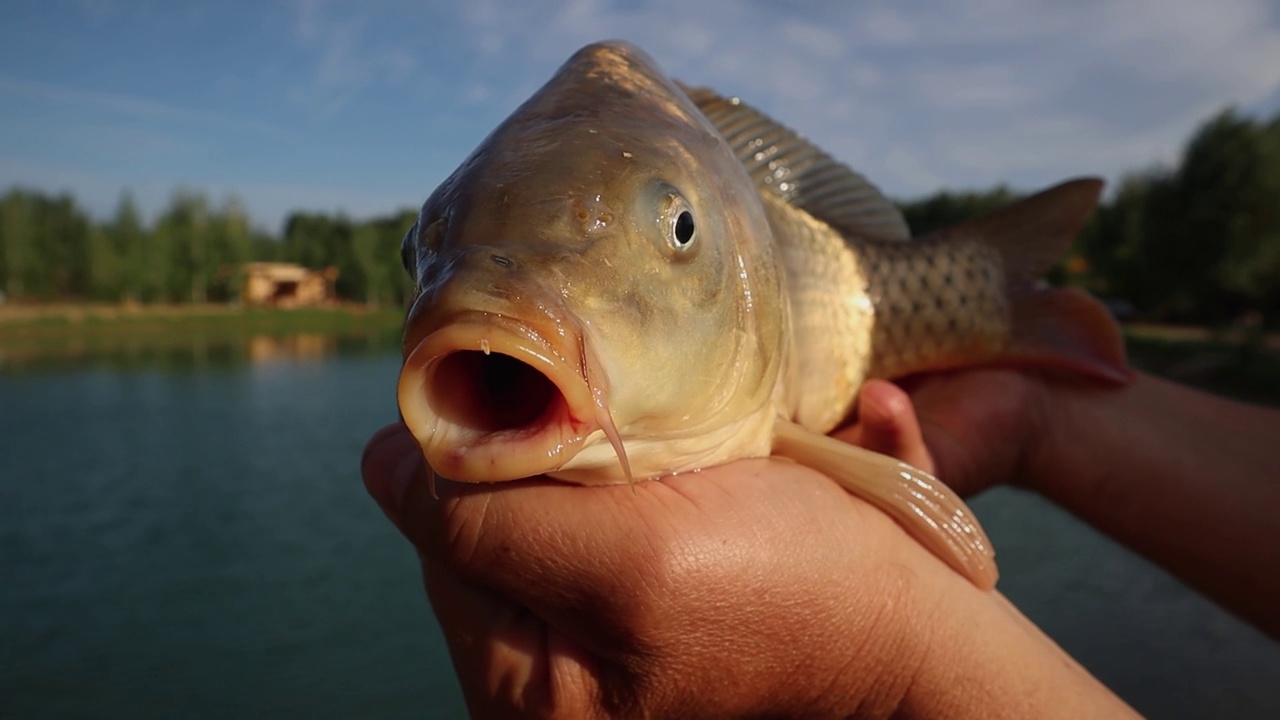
{"x":16,"y":320}
{"x":51,"y":324}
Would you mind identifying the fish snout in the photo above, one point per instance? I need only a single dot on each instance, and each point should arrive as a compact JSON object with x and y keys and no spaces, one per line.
{"x":491,"y":398}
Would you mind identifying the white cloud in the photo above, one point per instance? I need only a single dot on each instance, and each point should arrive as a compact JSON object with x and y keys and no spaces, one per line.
{"x":125,"y":104}
{"x":346,"y":63}
{"x":926,"y":93}
{"x":905,"y":166}
{"x":817,"y":40}
{"x":978,"y":86}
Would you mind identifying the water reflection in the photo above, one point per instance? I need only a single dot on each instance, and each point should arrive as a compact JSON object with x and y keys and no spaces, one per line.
{"x":186,"y":351}
{"x":304,"y":346}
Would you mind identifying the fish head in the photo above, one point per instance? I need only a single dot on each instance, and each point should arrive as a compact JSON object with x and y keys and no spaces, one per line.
{"x":595,"y":281}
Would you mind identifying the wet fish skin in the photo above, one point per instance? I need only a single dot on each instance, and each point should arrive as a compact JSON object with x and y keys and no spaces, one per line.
{"x":640,"y":347}
{"x":577,"y":191}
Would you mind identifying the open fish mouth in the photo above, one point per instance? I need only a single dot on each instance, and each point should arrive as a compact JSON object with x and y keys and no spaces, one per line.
{"x":489,"y":398}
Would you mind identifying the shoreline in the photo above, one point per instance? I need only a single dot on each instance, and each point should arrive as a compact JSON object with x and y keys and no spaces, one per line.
{"x":71,"y":329}
{"x":16,"y":314}
{"x":174,"y":335}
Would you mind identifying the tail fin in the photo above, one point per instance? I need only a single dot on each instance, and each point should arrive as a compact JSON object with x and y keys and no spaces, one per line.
{"x":1068,"y":330}
{"x":1033,"y":233}
{"x":1064,"y":329}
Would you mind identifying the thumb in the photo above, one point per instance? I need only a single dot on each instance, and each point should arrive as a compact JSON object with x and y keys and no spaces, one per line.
{"x":390,"y":464}
{"x":887,"y":424}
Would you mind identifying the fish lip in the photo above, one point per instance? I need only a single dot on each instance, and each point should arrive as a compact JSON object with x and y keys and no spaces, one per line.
{"x":475,"y":454}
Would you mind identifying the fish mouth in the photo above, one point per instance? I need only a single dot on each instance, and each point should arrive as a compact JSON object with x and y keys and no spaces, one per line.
{"x":490,"y":398}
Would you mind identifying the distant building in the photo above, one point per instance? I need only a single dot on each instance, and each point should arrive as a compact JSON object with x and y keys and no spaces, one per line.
{"x":287,"y":285}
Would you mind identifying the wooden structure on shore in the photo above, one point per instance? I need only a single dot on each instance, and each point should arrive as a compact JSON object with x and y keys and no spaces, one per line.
{"x":287,"y":285}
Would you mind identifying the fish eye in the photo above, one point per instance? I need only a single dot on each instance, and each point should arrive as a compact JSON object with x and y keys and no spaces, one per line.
{"x":423,"y":237}
{"x":683,"y":230}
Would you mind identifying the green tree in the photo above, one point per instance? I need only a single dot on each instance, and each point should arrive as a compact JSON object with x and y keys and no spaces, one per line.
{"x":364,"y":250}
{"x":160,"y":263}
{"x":1215,"y":226}
{"x":376,"y":251}
{"x":130,"y":241}
{"x":947,"y":208}
{"x":16,"y":242}
{"x":182,"y":248}
{"x":104,"y":265}
{"x":320,"y":241}
{"x":231,"y":246}
{"x":1113,"y":245}
{"x":61,"y":248}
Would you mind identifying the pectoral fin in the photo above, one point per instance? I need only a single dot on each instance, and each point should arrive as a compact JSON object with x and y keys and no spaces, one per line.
{"x":927,"y":509}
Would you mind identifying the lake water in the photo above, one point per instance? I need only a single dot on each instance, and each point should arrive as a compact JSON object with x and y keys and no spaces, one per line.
{"x":186,"y":535}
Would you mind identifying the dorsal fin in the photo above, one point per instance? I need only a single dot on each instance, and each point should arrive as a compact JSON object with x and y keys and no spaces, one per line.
{"x":782,"y":162}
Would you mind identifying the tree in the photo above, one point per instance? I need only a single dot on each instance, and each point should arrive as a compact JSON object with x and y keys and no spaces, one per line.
{"x":1216,"y":226}
{"x":129,"y":240}
{"x":364,"y":250}
{"x":1112,"y":246}
{"x":230,"y":248}
{"x":104,"y":265}
{"x":947,"y":208}
{"x":16,"y":242}
{"x":61,"y":249}
{"x":181,"y":241}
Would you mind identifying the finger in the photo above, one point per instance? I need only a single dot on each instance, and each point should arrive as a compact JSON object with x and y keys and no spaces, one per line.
{"x":507,"y":536}
{"x":887,"y":423}
{"x":498,"y":648}
{"x":502,"y":651}
{"x":390,"y":464}
{"x":524,"y":538}
{"x":598,"y":562}
{"x":978,"y":423}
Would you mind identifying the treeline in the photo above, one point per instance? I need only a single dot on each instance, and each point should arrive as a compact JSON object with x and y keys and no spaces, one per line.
{"x":1197,"y":243}
{"x":194,"y":251}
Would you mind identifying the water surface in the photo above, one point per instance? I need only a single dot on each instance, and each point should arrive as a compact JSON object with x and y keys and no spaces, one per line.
{"x":183,"y":533}
{"x":194,"y":541}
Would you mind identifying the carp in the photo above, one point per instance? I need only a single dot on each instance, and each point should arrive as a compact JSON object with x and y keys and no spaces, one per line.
{"x":631,"y":278}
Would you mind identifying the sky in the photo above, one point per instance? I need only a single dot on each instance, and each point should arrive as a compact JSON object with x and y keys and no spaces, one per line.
{"x":364,"y":107}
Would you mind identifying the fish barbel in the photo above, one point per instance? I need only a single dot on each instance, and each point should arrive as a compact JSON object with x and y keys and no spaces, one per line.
{"x":631,"y":278}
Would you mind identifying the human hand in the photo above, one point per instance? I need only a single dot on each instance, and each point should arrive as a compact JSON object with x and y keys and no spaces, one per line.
{"x":972,"y":428}
{"x":758,"y":587}
{"x":1183,"y":477}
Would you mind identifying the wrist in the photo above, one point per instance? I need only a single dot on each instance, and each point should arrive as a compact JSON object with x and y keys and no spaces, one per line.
{"x":1061,"y":457}
{"x":968,"y":671}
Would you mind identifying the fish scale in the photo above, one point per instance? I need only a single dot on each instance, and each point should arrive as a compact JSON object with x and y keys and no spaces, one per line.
{"x":938,"y":304}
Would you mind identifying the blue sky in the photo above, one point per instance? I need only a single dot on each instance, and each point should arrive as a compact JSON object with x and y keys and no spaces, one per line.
{"x":364,"y":107}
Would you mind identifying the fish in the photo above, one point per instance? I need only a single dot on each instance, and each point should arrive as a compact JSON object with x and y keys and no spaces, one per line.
{"x":631,"y":277}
